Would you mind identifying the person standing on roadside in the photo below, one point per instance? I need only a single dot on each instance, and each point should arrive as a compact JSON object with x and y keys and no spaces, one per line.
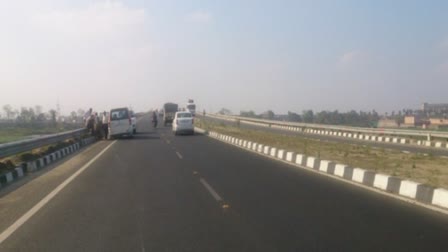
{"x":87,"y":116}
{"x":98,"y":126}
{"x":154,"y":119}
{"x":89,"y":120}
{"x":105,"y":121}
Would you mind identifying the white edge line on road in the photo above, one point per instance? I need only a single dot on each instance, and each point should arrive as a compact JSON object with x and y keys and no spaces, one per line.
{"x":179,"y":155}
{"x":18,"y":223}
{"x":373,"y":189}
{"x":210,"y":190}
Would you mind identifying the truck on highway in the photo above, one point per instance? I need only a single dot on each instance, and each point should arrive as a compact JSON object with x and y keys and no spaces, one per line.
{"x":169,"y":111}
{"x":191,"y":107}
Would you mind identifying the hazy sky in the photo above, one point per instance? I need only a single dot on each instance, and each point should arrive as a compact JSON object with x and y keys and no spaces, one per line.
{"x":242,"y":54}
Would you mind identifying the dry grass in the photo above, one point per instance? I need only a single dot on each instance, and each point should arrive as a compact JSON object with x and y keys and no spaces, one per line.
{"x":428,"y":169}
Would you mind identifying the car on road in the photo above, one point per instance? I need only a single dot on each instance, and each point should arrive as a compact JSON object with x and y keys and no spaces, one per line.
{"x":120,"y":123}
{"x":183,"y":123}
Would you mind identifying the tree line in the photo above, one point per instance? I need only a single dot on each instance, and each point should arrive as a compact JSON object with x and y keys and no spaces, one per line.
{"x":351,"y":118}
{"x":36,"y":115}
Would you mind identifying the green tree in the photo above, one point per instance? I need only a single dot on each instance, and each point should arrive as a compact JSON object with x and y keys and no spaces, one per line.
{"x":27,"y":115}
{"x":73,"y":116}
{"x":53,"y":117}
{"x":294,"y":117}
{"x":308,"y":116}
{"x":8,"y":111}
{"x":250,"y":114}
{"x":41,"y":117}
{"x":270,"y":114}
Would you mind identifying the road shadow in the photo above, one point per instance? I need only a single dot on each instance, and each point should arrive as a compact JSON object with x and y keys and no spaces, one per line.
{"x":138,"y":137}
{"x":190,"y":135}
{"x":145,"y":133}
{"x":134,"y":138}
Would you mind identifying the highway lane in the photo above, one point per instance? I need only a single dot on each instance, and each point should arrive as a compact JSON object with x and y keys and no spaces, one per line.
{"x":136,"y":197}
{"x":146,"y":194}
{"x":393,"y":146}
{"x":295,"y":210}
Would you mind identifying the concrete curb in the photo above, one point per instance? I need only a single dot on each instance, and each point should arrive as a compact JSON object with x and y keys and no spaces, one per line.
{"x":393,"y":140}
{"x":32,"y":166}
{"x":434,"y":198}
{"x":199,"y":130}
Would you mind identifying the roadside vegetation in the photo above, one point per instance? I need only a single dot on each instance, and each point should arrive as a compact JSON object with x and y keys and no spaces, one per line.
{"x":9,"y":163}
{"x":25,"y":123}
{"x":351,"y":118}
{"x":427,"y":169}
{"x":11,"y":133}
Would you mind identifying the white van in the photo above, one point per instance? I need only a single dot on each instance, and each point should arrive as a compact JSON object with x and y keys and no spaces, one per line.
{"x":120,"y":123}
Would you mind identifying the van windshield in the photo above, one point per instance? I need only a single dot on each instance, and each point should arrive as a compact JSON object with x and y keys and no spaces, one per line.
{"x":118,"y":114}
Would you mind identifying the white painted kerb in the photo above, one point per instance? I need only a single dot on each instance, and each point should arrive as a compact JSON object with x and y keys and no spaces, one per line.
{"x":358,"y":175}
{"x":310,"y":162}
{"x":339,"y":170}
{"x":440,"y":197}
{"x":289,"y":156}
{"x":408,"y":188}
{"x":324,"y":165}
{"x":381,"y":181}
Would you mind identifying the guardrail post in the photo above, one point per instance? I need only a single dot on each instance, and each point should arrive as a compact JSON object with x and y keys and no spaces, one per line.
{"x":429,"y":137}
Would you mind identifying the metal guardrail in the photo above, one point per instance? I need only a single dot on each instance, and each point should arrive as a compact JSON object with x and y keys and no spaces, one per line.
{"x":12,"y":148}
{"x":380,"y":131}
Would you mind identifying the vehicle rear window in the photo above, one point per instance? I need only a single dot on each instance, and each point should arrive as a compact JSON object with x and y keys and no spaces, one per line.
{"x":119,"y":114}
{"x":183,"y":115}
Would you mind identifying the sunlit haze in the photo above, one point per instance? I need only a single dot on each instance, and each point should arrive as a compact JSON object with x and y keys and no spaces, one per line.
{"x":241,"y":55}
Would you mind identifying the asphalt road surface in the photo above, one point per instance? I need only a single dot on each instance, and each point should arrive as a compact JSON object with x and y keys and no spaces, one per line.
{"x":394,"y":146}
{"x":158,"y":192}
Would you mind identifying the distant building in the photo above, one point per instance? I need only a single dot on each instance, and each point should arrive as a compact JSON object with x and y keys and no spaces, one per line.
{"x":387,"y":123}
{"x":413,"y":120}
{"x":438,"y":121}
{"x":435,"y":108}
